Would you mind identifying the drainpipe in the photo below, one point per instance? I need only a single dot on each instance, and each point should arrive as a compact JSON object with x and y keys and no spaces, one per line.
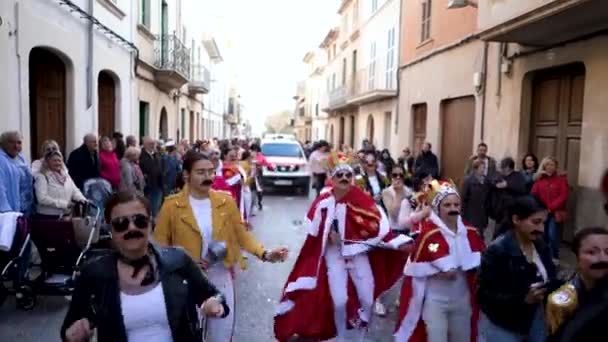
{"x":16,"y":33}
{"x":399,"y":72}
{"x":485,"y":89}
{"x":90,"y":58}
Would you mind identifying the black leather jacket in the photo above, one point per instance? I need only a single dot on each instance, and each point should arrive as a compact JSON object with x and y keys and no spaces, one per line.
{"x":505,"y":276}
{"x":96,"y":296}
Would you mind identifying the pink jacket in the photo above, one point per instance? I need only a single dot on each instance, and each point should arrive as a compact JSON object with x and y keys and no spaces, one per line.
{"x":110,"y":167}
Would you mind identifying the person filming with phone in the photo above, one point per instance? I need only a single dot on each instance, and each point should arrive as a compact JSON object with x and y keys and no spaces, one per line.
{"x":515,"y":277}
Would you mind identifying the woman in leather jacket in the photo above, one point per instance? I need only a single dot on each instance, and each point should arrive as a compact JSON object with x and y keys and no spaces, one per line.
{"x":515,"y":277}
{"x":137,"y":291}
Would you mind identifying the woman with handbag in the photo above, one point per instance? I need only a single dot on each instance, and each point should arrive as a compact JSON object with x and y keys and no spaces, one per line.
{"x":139,"y":292}
{"x":552,"y":190}
{"x":55,"y":190}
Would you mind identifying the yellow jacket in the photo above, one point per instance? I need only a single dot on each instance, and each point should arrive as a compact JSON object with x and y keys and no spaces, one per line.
{"x":177,"y":226}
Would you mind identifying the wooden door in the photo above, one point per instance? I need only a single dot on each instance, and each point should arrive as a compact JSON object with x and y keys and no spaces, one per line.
{"x":341,"y":133}
{"x":419,"y":118}
{"x":106,"y":109}
{"x":47,"y":99}
{"x":458,"y":128}
{"x":557,"y":115}
{"x":192,"y":123}
{"x":164,"y":125}
{"x":388,"y":119}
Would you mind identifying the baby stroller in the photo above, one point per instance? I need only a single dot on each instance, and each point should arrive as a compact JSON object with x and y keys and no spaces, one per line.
{"x":98,"y":191}
{"x":64,"y":245}
{"x":10,"y":264}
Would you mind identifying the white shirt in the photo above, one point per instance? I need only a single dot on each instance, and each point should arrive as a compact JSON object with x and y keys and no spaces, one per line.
{"x":145,"y":316}
{"x":539,"y":265}
{"x":448,"y":289}
{"x":201,"y":208}
{"x":375,"y":184}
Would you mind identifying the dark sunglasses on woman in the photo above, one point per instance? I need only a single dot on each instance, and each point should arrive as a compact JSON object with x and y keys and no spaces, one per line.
{"x":397,"y":175}
{"x":121,"y":224}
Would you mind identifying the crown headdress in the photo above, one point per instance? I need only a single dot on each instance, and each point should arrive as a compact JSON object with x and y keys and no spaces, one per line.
{"x":338,"y":161}
{"x":435,"y":192}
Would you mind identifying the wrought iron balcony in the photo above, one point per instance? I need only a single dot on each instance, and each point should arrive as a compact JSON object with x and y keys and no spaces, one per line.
{"x":200,"y":80}
{"x":172,"y":59}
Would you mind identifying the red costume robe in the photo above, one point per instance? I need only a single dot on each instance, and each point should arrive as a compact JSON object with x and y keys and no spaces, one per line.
{"x":306,"y":307}
{"x":431,"y":256}
{"x":234,"y":175}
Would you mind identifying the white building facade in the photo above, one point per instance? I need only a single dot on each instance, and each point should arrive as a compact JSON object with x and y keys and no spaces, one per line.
{"x":68,"y":69}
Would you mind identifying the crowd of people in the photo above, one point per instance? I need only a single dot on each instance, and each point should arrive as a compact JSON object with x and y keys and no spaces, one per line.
{"x":476,"y":264}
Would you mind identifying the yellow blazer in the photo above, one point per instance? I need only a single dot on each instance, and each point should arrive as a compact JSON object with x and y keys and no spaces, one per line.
{"x":177,"y":227}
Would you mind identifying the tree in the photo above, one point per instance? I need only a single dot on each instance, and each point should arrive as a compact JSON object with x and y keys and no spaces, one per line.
{"x":279,"y":122}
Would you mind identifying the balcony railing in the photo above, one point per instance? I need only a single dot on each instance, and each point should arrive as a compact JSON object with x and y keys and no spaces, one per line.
{"x":171,"y":54}
{"x":200,"y":79}
{"x":374,"y":83}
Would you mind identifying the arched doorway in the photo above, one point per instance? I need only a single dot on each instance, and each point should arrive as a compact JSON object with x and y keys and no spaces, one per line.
{"x":370,"y":128}
{"x":331,"y":134}
{"x":341,"y":135}
{"x":47,"y":83}
{"x":106,"y":105}
{"x":352,"y":131}
{"x":164,"y":125}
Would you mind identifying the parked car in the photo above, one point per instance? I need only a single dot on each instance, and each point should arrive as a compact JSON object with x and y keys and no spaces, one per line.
{"x":289,"y":165}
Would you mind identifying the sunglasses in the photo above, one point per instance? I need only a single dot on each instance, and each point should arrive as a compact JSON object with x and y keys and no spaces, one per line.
{"x":348,"y":175}
{"x":397,"y":175}
{"x":121,"y":224}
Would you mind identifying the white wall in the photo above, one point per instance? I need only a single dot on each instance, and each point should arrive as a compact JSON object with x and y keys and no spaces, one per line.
{"x":41,"y":23}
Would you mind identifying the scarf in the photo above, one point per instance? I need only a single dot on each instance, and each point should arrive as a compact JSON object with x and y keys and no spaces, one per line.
{"x":61,"y":177}
{"x":138,"y":265}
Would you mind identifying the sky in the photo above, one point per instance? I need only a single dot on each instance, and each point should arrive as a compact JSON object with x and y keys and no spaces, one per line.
{"x":269,"y":39}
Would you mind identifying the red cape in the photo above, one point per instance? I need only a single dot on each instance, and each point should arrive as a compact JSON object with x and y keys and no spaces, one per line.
{"x":306,"y":307}
{"x":431,"y":256}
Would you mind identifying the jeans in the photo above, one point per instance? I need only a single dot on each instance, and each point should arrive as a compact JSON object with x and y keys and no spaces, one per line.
{"x":553,"y":235}
{"x":447,"y":321}
{"x":490,"y":332}
{"x":155,"y":196}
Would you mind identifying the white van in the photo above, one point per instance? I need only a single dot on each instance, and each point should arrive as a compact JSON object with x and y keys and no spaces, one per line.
{"x":289,"y":165}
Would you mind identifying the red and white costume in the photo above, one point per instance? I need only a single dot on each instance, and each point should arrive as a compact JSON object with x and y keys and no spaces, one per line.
{"x":438,"y":249}
{"x":333,"y":287}
{"x":235,"y":176}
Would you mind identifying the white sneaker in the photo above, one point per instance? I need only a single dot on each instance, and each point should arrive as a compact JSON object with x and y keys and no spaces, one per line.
{"x":379,"y":309}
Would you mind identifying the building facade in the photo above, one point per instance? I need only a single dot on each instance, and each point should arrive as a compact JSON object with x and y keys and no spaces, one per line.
{"x":69,"y":69}
{"x":546,"y":91}
{"x":440,"y":91}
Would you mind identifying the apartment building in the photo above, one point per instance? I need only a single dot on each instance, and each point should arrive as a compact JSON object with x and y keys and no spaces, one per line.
{"x":309,"y":119}
{"x":68,"y":69}
{"x":440,"y":94}
{"x":546,"y":79}
{"x":360,"y":76}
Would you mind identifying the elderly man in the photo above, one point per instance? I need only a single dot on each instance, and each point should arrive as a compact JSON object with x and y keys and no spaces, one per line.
{"x":16,"y":182}
{"x":151,"y":165}
{"x":83,"y":163}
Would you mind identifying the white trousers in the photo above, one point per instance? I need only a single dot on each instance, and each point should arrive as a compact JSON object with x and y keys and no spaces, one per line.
{"x":338,"y":269}
{"x":447,"y":321}
{"x":221,"y":329}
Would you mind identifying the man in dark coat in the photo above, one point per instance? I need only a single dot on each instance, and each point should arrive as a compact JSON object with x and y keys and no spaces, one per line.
{"x":505,"y":190}
{"x":83,"y":162}
{"x":151,"y":164}
{"x":427,"y":161}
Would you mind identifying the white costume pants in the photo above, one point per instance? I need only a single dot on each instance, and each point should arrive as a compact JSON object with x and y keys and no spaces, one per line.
{"x":221,"y":329}
{"x":338,"y":269}
{"x":447,"y":321}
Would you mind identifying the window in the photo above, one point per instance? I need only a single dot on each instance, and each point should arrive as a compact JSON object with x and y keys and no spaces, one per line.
{"x":345,"y":22}
{"x":183,"y":125}
{"x":317,"y":109}
{"x":390,"y":60}
{"x":355,"y":15}
{"x":371,"y":79}
{"x":374,"y":6}
{"x":301,"y":111}
{"x":354,"y":69}
{"x":144,"y":14}
{"x":425,"y":33}
{"x":333,"y":81}
{"x":343,"y":71}
{"x":282,"y":150}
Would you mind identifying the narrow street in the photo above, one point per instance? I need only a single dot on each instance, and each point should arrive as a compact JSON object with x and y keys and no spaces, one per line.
{"x":258,"y":288}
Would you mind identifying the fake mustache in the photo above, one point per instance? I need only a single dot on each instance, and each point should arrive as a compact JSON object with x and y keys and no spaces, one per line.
{"x":344,"y":181}
{"x":454,"y":213}
{"x":602,"y":265}
{"x":133,"y":234}
{"x":207,"y":182}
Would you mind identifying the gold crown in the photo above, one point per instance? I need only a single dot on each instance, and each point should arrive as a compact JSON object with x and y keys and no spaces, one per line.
{"x":338,"y":158}
{"x":428,"y":194}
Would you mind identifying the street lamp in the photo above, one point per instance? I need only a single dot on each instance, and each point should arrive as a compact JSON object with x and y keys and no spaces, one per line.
{"x":452,"y":4}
